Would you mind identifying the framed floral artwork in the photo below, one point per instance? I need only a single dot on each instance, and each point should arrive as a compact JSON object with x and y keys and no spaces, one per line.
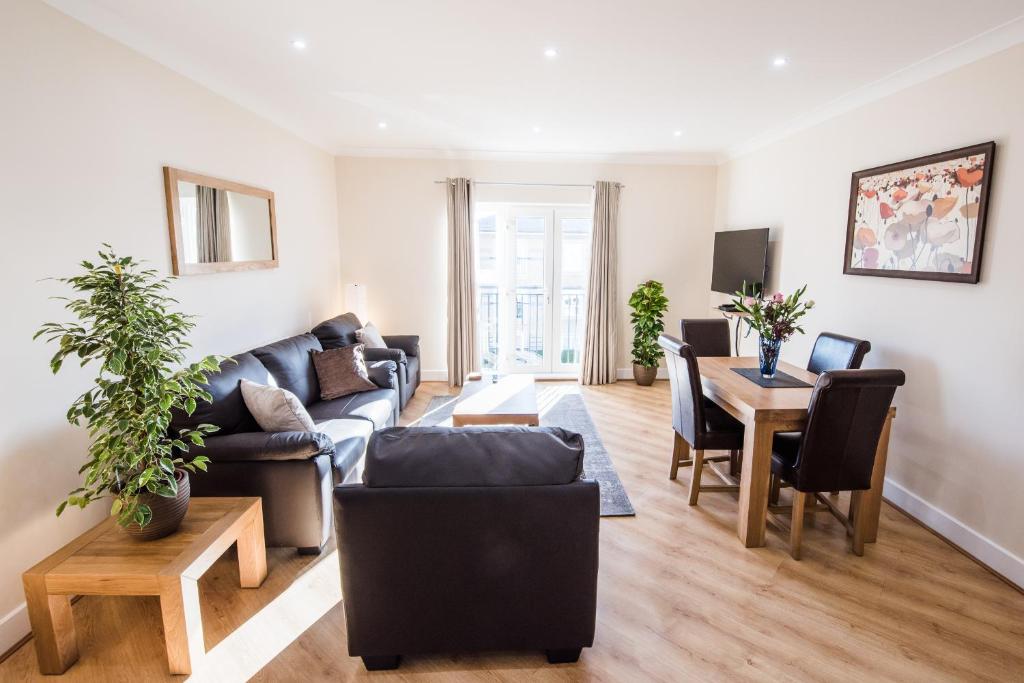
{"x":922,"y":219}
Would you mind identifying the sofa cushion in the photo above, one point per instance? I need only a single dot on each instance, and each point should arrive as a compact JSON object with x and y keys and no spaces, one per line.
{"x":275,"y":409}
{"x":473,"y":456}
{"x":350,"y":437}
{"x":338,"y":331}
{"x":228,"y":410}
{"x":341,"y":372}
{"x":377,"y":406}
{"x":291,"y":365}
{"x":369,"y":335}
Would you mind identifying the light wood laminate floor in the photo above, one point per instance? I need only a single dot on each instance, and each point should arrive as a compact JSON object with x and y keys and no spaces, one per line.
{"x":679,"y":598}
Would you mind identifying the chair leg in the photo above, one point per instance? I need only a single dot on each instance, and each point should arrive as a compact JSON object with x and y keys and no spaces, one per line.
{"x":796,"y":527}
{"x":698,"y":468}
{"x":566,"y":656}
{"x":858,"y":532}
{"x":680,"y":451}
{"x":774,"y":489}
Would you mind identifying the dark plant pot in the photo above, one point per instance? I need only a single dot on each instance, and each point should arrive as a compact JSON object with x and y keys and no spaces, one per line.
{"x":643,"y":375}
{"x":167,"y":512}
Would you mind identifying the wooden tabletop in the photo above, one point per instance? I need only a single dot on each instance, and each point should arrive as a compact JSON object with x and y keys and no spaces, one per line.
{"x":510,"y":400}
{"x":106,"y":561}
{"x":745,"y":399}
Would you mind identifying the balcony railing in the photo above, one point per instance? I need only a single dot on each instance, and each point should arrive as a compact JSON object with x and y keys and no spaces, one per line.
{"x":529,"y":327}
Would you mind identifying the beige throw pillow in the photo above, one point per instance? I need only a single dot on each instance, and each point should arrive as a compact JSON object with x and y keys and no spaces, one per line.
{"x":342,"y":371}
{"x":276,"y":409}
{"x":369,"y":336}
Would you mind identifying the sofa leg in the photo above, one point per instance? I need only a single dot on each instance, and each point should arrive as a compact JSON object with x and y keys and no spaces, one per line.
{"x":381,"y":663}
{"x":312,"y":550}
{"x":563,"y":656}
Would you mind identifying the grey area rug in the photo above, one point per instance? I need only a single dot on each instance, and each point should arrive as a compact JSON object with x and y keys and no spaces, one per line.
{"x":569,"y":412}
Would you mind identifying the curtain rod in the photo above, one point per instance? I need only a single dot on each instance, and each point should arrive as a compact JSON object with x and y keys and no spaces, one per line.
{"x":443,"y":182}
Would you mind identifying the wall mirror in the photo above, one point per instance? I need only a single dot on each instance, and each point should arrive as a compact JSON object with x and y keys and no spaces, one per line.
{"x":218,"y":225}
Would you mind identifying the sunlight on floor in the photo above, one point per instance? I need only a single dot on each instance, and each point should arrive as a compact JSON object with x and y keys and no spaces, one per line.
{"x":266,"y":634}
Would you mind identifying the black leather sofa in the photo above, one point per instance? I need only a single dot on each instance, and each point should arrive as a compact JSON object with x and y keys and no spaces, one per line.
{"x":403,"y":349}
{"x":293,"y":472}
{"x":471,"y":539}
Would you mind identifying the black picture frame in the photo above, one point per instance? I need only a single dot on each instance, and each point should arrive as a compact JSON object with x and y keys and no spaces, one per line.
{"x":914,"y":167}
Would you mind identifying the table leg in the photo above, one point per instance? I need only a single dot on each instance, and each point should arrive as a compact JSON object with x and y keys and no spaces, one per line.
{"x":870,"y":504}
{"x":252,"y":552}
{"x":53,"y":628}
{"x":754,"y":476}
{"x":183,"y":624}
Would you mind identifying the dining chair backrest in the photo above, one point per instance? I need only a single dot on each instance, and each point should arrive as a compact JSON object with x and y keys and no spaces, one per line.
{"x":687,"y":394}
{"x":844,"y":422}
{"x":837,"y":352}
{"x":707,"y":336}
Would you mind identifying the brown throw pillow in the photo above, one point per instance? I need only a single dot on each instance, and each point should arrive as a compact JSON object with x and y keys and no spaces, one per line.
{"x":342,"y":372}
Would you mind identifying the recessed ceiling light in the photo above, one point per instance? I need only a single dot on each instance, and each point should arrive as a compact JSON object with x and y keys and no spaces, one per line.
{"x":536,"y":129}
{"x":677,"y":133}
{"x":299,"y":44}
{"x":382,"y":125}
{"x":551,"y":53}
{"x":780,"y":62}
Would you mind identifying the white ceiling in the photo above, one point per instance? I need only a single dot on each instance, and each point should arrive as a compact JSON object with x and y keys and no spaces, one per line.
{"x":465,"y":76}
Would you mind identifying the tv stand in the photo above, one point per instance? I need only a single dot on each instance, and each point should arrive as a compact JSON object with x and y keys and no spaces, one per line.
{"x":730,"y":312}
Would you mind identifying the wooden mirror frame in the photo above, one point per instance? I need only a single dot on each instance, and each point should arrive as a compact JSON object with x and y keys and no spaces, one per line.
{"x":178,"y":263}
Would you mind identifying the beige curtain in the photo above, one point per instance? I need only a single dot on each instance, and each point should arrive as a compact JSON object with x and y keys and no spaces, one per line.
{"x":602,"y":299}
{"x":462,"y":351}
{"x":213,"y":232}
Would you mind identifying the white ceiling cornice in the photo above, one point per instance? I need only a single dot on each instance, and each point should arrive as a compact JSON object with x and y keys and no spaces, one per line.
{"x":665,"y":159}
{"x":984,"y":45}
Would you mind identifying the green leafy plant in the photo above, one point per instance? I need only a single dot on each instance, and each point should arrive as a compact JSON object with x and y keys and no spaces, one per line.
{"x":649,"y":304}
{"x":774,"y":318}
{"x":124,"y":323}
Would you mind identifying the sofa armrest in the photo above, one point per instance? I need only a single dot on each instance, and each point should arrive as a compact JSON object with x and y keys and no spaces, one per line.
{"x":394,"y":355}
{"x":264,"y":446}
{"x":410,"y":343}
{"x":383,"y":373}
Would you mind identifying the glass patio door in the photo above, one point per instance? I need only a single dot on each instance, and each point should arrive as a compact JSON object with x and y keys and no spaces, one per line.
{"x":532,"y":264}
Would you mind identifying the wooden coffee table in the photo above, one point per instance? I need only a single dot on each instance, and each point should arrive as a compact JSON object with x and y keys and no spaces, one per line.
{"x":106,"y":561}
{"x":510,"y":400}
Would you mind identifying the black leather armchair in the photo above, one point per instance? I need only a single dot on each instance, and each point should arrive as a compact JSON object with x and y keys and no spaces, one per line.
{"x":403,"y":350}
{"x":472,"y":539}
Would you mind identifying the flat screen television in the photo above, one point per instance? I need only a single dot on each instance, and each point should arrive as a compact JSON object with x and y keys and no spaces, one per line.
{"x":741,"y":256}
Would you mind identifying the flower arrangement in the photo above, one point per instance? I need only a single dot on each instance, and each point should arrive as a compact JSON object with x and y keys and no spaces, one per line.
{"x":775,"y":321}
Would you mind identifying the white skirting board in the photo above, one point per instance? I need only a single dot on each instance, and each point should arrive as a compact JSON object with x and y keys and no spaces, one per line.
{"x":433,"y":375}
{"x":13,"y":627}
{"x":986,"y":551}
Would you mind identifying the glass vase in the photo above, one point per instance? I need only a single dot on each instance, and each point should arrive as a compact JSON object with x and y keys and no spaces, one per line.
{"x":768,"y":352}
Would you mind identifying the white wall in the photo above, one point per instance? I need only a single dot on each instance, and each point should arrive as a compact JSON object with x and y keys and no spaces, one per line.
{"x":956,"y":459}
{"x":85,"y":127}
{"x":391,"y":216}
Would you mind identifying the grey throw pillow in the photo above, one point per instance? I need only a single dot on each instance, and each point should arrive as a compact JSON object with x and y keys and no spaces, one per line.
{"x":342,"y":371}
{"x":276,"y":409}
{"x":369,"y":336}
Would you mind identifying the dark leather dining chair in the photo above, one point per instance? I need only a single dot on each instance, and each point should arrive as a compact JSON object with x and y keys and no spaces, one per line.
{"x":836,"y":452}
{"x":707,"y":336}
{"x":831,"y":352}
{"x":699,"y":423}
{"x":837,"y":352}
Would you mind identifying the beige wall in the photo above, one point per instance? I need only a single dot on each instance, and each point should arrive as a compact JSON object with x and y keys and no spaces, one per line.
{"x":957,"y":458}
{"x":87,"y":125}
{"x":391,"y":216}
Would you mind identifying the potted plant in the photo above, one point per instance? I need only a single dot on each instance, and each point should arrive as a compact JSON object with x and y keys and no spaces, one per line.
{"x":775,"y":321}
{"x":125,"y":325}
{"x":649,"y":304}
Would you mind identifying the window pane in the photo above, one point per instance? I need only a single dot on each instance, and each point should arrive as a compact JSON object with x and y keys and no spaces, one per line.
{"x":529,"y":290}
{"x":487,"y":275}
{"x":575,"y":266}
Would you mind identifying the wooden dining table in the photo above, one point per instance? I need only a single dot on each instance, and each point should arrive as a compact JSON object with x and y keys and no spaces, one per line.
{"x":764,"y":412}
